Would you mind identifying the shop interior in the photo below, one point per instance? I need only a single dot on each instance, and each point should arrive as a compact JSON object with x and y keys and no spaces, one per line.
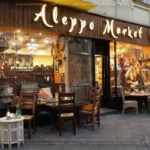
{"x":65,"y":64}
{"x":30,"y":57}
{"x":132,"y":67}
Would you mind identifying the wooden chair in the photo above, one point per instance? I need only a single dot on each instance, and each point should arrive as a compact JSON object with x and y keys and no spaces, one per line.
{"x":66,"y":110}
{"x":129,"y":103}
{"x":92,"y":110}
{"x":28,"y":100}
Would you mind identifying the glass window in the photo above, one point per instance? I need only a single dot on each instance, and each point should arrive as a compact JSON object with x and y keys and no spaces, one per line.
{"x":132,"y":69}
{"x":144,"y":1}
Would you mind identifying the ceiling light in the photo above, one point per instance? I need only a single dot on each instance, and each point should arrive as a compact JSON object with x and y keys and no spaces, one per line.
{"x":13,"y":43}
{"x":18,"y":31}
{"x":45,"y":41}
{"x":41,"y":52}
{"x":32,"y":46}
{"x":32,"y":40}
{"x":28,"y":44}
{"x":32,"y":52}
{"x":21,"y":39}
{"x":40,"y":33}
{"x":35,"y":45}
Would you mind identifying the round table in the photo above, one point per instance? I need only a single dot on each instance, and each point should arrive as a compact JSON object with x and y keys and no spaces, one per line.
{"x":11,"y":131}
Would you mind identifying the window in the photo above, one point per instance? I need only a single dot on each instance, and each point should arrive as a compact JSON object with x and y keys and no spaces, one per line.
{"x":144,"y":1}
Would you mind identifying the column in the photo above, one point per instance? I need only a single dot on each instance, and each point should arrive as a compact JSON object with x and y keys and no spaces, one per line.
{"x":66,"y":67}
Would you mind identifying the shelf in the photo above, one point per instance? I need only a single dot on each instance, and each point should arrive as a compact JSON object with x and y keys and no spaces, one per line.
{"x":3,"y":79}
{"x":81,"y":85}
{"x":81,"y":53}
{"x":144,"y":60}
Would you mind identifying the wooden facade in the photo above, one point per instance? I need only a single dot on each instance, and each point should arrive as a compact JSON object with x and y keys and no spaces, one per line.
{"x":21,"y":15}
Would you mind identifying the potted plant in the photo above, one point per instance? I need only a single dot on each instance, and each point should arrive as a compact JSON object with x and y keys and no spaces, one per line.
{"x":140,"y":87}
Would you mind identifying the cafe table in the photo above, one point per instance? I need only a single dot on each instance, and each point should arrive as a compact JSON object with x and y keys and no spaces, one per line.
{"x":53,"y":107}
{"x":140,"y":94}
{"x":11,"y":131}
{"x":78,"y":103}
{"x":141,"y":99}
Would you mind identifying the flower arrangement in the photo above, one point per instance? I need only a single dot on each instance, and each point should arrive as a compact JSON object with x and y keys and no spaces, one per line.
{"x":140,"y":87}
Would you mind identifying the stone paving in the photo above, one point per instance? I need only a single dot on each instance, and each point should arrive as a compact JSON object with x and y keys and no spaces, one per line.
{"x":117,"y":132}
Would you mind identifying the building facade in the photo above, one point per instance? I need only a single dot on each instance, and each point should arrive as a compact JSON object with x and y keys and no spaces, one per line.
{"x":81,"y":48}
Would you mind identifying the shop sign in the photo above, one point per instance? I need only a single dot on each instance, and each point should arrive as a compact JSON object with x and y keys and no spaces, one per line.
{"x":108,"y":29}
{"x":65,"y":20}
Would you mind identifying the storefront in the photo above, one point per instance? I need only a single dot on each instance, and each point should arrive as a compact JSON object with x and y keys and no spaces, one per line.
{"x":79,"y":49}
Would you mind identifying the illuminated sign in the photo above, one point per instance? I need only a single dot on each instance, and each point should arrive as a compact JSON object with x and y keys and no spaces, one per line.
{"x":109,"y":28}
{"x":72,"y":21}
{"x":65,"y":20}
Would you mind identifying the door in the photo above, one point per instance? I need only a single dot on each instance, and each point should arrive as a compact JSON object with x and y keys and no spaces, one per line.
{"x":102,"y":69}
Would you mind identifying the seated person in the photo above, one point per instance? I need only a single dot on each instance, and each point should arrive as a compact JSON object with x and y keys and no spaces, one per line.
{"x":97,"y":89}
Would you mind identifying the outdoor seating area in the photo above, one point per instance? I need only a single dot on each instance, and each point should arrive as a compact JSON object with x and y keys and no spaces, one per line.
{"x":27,"y":108}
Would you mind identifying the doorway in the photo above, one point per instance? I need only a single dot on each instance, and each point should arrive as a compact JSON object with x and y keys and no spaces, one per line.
{"x":102,"y":70}
{"x":98,"y":68}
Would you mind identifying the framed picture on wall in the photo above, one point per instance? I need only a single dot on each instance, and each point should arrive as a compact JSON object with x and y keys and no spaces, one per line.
{"x":62,"y":78}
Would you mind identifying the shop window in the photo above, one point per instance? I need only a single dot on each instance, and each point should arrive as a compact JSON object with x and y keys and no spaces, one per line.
{"x":132,"y":67}
{"x":32,"y":57}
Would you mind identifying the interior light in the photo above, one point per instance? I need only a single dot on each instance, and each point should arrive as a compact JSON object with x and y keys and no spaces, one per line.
{"x":28,"y":44}
{"x":40,"y":52}
{"x":40,"y":33}
{"x":32,"y":39}
{"x":32,"y":52}
{"x":13,"y":43}
{"x":35,"y":45}
{"x":18,"y":31}
{"x":21,"y":39}
{"x":45,"y":41}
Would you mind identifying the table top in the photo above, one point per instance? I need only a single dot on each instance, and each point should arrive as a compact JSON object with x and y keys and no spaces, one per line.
{"x":140,"y":94}
{"x":77,"y":103}
{"x":4,"y":119}
{"x":6,"y":95}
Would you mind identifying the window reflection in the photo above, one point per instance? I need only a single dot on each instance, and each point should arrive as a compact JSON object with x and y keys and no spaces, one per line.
{"x":144,"y":1}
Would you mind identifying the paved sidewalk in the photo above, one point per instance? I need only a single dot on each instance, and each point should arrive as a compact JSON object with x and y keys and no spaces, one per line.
{"x":117,"y":132}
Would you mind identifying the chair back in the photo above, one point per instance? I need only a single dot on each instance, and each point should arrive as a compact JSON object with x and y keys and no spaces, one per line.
{"x":122,"y":95}
{"x":91,"y":93}
{"x":66,"y":102}
{"x":28,"y":100}
{"x":97,"y":99}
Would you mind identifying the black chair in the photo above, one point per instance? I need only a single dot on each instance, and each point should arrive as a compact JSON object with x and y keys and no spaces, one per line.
{"x":43,"y":115}
{"x":66,"y":110}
